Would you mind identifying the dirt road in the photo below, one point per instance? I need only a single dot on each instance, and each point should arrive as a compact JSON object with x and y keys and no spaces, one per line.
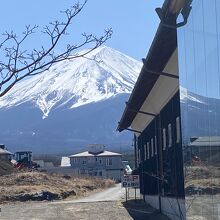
{"x":113,"y":194}
{"x":106,"y":205}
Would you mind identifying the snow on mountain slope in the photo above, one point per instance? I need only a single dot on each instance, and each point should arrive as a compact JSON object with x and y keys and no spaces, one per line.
{"x":77,"y":82}
{"x":186,"y":96}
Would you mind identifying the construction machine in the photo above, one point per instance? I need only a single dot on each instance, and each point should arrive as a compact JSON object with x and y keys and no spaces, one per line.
{"x":24,"y":160}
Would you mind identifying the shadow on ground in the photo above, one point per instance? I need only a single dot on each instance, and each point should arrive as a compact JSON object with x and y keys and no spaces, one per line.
{"x":139,"y":210}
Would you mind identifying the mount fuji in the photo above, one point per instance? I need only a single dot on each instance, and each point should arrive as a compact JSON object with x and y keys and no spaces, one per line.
{"x":75,"y":103}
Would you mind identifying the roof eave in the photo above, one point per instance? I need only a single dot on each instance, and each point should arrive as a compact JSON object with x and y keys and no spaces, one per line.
{"x":162,"y":32}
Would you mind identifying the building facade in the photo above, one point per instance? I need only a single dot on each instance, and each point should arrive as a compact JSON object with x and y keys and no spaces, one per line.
{"x":97,"y":162}
{"x":5,"y":154}
{"x":199,"y":71}
{"x":174,"y":112}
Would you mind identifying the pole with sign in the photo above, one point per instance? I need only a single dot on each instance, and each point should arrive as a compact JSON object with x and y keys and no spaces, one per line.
{"x":130,"y":181}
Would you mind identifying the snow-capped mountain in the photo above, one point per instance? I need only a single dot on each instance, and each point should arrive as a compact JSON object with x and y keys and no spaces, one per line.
{"x":186,"y":96}
{"x":80,"y":100}
{"x":104,"y":73}
{"x":199,"y":113}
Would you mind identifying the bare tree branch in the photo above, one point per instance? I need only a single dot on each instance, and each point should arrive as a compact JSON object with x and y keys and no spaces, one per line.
{"x":18,"y":63}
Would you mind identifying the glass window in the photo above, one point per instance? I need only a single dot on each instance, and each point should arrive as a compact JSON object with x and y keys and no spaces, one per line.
{"x":100,"y":161}
{"x":145,"y":152}
{"x":199,"y":72}
{"x":108,"y":161}
{"x":164,"y":139}
{"x":148,"y":150}
{"x":155,"y":144}
{"x":178,"y":130}
{"x":170,"y":135}
{"x":139,"y":156}
{"x":152,"y":147}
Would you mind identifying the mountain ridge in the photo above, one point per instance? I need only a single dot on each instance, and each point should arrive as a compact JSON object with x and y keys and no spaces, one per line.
{"x":80,"y":101}
{"x":73,"y":122}
{"x":77,"y":82}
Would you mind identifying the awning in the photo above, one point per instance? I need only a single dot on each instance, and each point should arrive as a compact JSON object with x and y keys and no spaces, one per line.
{"x":162,"y":48}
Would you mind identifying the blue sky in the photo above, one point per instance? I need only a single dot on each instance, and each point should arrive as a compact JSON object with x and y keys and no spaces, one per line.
{"x":134,"y":22}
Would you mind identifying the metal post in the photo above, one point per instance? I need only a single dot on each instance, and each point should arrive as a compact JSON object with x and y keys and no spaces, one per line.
{"x":135,"y":196}
{"x":126,"y":195}
{"x":135,"y":151}
{"x":160,"y":158}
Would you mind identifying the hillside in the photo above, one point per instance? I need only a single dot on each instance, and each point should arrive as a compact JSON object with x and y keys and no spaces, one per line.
{"x":104,"y":73}
{"x":6,"y":167}
{"x":74,"y":104}
{"x":36,"y":186}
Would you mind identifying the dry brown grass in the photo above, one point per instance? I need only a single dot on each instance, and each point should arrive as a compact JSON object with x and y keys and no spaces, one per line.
{"x":202,"y":172}
{"x":214,"y":182}
{"x":203,"y":179}
{"x":203,"y":175}
{"x":6,"y":167}
{"x":32,"y":182}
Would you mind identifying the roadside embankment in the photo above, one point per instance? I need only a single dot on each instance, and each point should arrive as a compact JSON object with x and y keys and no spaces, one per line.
{"x":38,"y":186}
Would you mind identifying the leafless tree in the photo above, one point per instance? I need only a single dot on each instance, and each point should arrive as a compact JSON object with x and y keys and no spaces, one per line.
{"x":17,"y":63}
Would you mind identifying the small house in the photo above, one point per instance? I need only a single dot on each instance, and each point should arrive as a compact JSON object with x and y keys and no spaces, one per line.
{"x":97,"y":162}
{"x":4,"y":154}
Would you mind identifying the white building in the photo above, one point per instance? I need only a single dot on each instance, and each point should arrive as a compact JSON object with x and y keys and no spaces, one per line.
{"x":65,"y":162}
{"x":97,"y":162}
{"x":4,"y":154}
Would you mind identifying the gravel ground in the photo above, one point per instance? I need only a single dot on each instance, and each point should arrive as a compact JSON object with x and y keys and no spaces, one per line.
{"x":110,"y":210}
{"x":203,"y":207}
{"x":109,"y":204}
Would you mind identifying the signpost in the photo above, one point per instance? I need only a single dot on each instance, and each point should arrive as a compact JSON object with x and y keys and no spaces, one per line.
{"x":130,"y":181}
